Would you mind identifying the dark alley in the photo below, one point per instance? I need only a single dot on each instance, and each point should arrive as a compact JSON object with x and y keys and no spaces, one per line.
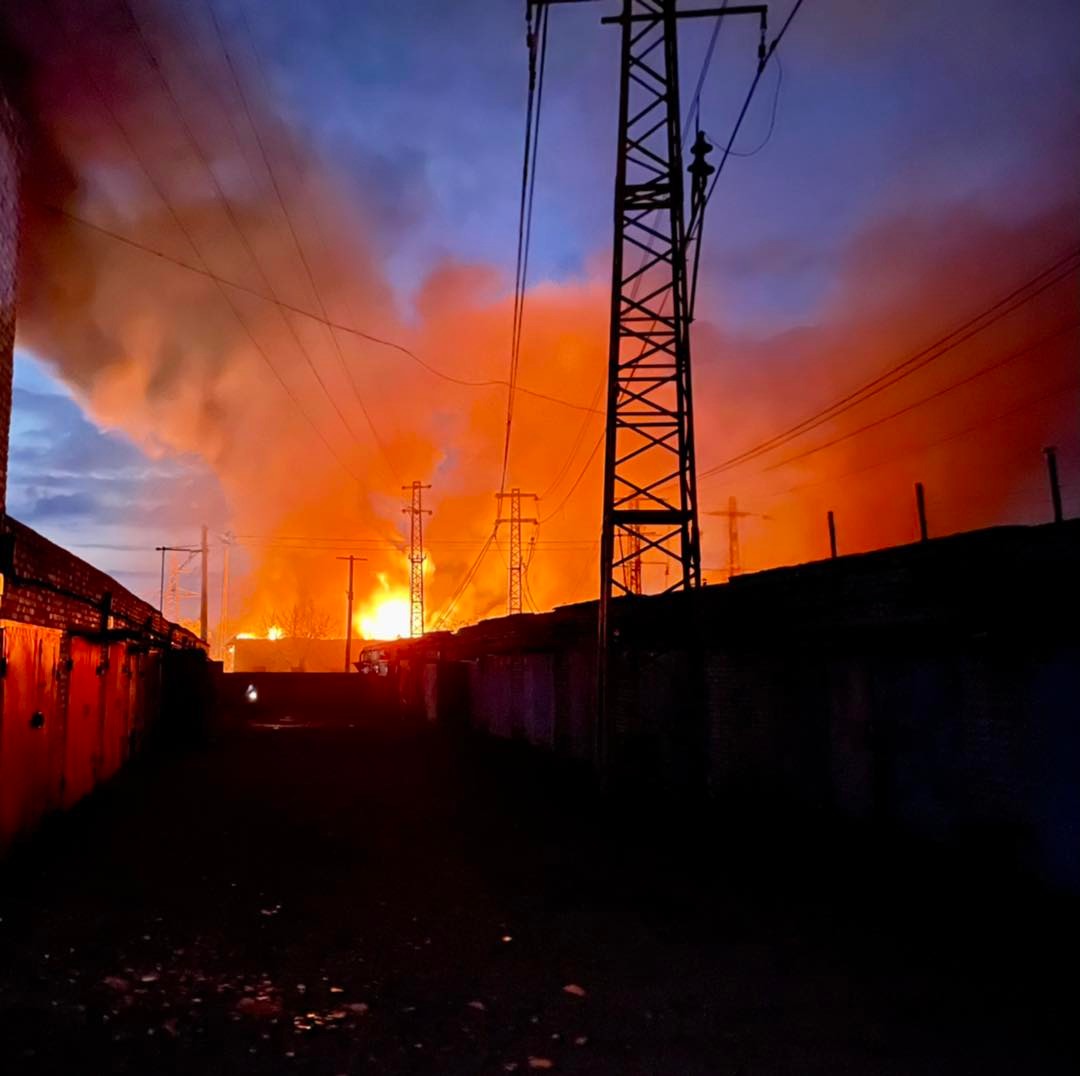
{"x":329,"y":901}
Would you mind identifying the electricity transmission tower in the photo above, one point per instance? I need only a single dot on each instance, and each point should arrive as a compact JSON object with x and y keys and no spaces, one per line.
{"x":175,"y":592}
{"x":416,"y":512}
{"x":733,"y":515}
{"x":649,"y":444}
{"x":516,"y":583}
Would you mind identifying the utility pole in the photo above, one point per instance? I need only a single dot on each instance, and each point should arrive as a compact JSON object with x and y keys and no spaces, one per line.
{"x":920,"y":508}
{"x":416,"y":513}
{"x":204,"y":589}
{"x":515,"y":584}
{"x":832,"y":534}
{"x":348,"y":614}
{"x":1055,"y":484}
{"x":227,"y":540}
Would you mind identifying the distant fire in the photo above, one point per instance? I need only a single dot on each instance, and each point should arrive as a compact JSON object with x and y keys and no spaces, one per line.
{"x":151,"y":346}
{"x":386,"y":615}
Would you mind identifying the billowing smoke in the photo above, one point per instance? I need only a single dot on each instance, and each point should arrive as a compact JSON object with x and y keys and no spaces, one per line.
{"x":182,"y":252}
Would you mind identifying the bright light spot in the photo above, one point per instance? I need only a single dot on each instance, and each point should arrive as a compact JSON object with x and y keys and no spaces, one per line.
{"x":247,"y":635}
{"x":274,"y":633}
{"x":387,"y":619}
{"x":251,"y":694}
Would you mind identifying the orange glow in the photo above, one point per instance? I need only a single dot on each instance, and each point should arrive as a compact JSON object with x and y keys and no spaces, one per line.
{"x":388,"y":618}
{"x":182,"y":375}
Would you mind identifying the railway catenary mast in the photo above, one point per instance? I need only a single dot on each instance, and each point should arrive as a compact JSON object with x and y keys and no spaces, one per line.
{"x":650,"y":491}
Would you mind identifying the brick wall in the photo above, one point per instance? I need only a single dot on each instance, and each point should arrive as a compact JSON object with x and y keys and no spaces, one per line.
{"x":48,"y":586}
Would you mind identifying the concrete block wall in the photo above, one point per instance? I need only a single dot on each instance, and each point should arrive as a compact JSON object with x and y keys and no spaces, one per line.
{"x":930,"y":692}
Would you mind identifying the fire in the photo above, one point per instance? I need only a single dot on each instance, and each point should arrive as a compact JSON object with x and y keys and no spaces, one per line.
{"x":274,"y":633}
{"x":388,"y":618}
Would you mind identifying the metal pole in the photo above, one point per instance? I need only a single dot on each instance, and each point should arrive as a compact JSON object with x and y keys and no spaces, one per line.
{"x":348,"y":619}
{"x":352,"y":559}
{"x":223,"y":613}
{"x":161,"y":595}
{"x":832,"y":534}
{"x":920,"y":505}
{"x":1055,"y":485}
{"x":204,"y":591}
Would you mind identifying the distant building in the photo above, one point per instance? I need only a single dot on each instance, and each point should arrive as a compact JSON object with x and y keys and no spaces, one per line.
{"x":287,"y":655}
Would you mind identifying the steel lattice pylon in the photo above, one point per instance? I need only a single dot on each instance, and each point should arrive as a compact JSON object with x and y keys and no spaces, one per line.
{"x":416,"y":512}
{"x":649,"y":477}
{"x":515,"y":590}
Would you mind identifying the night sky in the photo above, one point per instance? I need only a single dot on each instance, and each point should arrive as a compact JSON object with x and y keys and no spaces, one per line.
{"x":922,"y":161}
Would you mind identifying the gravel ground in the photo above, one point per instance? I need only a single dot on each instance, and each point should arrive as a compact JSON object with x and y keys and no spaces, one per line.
{"x":329,"y":901}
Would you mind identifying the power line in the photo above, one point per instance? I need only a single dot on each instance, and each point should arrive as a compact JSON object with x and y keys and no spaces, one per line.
{"x":464,"y":584}
{"x":697,"y":219}
{"x":292,"y":308}
{"x":1001,"y":308}
{"x":537,"y":41}
{"x":577,"y":481}
{"x":178,"y":221}
{"x":772,"y":116}
{"x":692,"y":112}
{"x":982,"y":372}
{"x":189,"y":134}
{"x":295,"y":238}
{"x":1055,"y":390}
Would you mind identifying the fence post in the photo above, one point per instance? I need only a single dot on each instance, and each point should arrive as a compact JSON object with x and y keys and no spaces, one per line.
{"x":1050,"y":453}
{"x":920,"y":504}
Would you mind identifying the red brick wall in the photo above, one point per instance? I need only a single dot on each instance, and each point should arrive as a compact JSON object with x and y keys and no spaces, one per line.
{"x":48,"y":586}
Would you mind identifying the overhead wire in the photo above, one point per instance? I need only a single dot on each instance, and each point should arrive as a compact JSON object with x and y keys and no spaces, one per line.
{"x":692,"y":112}
{"x":537,"y":38}
{"x":694,"y":231}
{"x":537,"y":41}
{"x":155,"y":66}
{"x":174,"y":215}
{"x":922,"y":400}
{"x":298,"y":246}
{"x":1054,"y":391}
{"x":451,"y":605}
{"x":1061,"y":268}
{"x":292,"y":308}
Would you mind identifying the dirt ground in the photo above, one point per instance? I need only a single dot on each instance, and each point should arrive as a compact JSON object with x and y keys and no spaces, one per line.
{"x":330,"y":901}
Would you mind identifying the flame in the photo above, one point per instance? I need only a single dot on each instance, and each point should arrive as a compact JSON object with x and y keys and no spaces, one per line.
{"x":274,"y":633}
{"x":387,"y":618}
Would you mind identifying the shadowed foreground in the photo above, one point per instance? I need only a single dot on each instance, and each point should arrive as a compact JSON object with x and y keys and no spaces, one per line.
{"x":311,"y":900}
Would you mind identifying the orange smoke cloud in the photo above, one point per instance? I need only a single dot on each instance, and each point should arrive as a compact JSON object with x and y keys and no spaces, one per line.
{"x":216,"y":345}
